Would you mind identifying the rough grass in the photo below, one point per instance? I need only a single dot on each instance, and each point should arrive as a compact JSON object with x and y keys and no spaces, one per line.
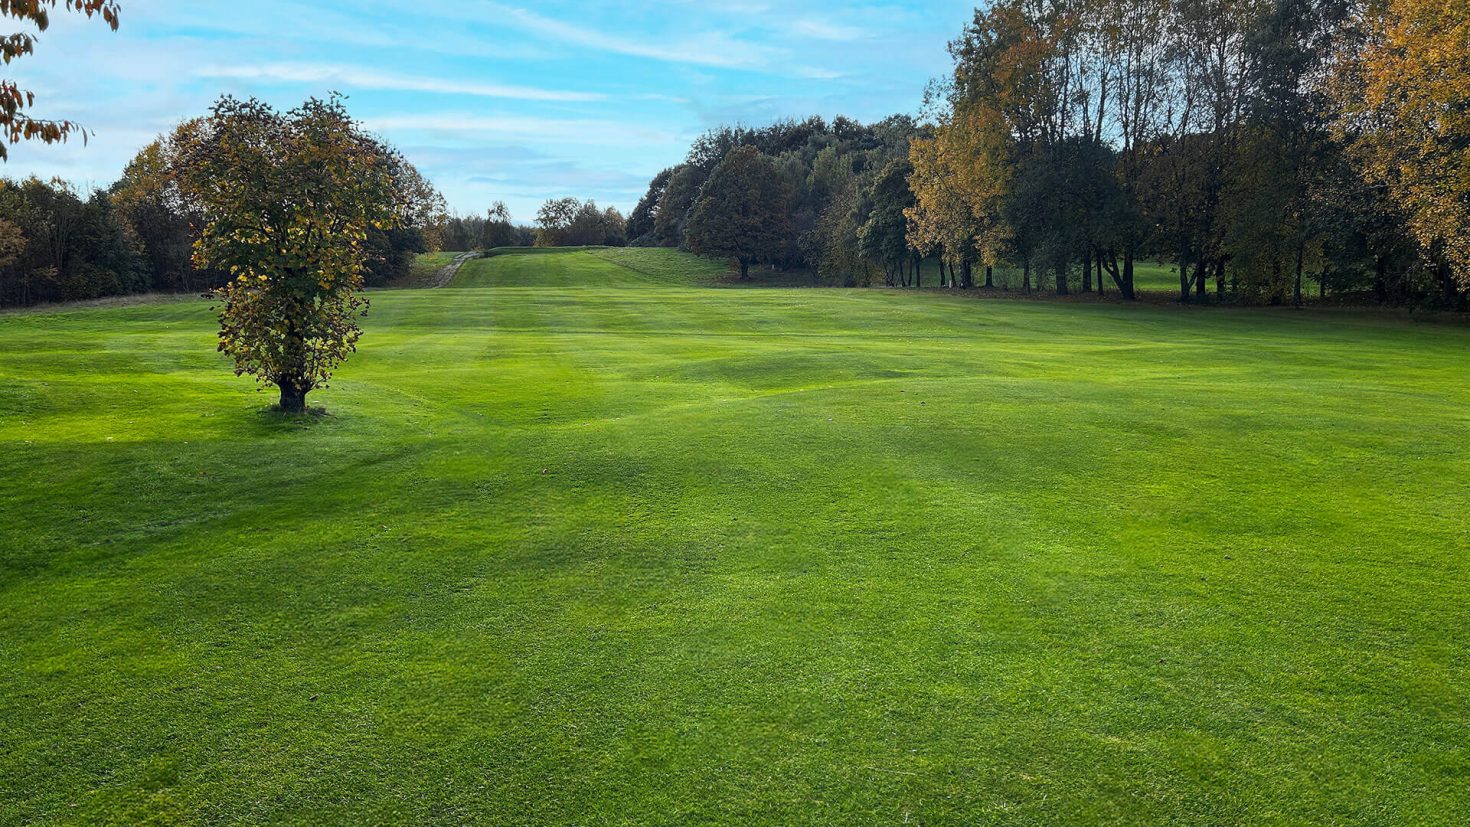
{"x":645,"y":553}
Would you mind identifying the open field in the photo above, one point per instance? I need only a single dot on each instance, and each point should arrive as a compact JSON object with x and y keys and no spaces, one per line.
{"x":647,"y":552}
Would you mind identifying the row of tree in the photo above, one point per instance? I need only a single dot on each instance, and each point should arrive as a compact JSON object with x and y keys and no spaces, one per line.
{"x":474,"y":232}
{"x":139,"y":235}
{"x":560,"y":222}
{"x":1256,"y":145}
{"x":807,"y":193}
{"x":568,"y":222}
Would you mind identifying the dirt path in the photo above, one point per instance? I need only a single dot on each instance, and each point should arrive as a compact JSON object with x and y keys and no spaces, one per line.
{"x":445,"y":274}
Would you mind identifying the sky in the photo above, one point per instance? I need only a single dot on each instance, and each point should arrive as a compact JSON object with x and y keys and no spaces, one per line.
{"x":517,"y":102}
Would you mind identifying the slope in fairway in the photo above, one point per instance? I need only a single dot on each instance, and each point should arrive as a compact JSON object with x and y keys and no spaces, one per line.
{"x":646,"y":553}
{"x":592,"y":267}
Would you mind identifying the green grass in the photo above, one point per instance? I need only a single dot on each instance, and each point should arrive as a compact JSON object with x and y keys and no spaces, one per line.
{"x":425,"y":267}
{"x":1148,"y":277}
{"x":638,"y":552}
{"x":436,"y":260}
{"x":589,"y":267}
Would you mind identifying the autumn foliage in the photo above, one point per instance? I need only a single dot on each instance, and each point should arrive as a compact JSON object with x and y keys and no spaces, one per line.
{"x":15,"y":122}
{"x":1255,"y":147}
{"x":1405,"y":98}
{"x":287,"y":202}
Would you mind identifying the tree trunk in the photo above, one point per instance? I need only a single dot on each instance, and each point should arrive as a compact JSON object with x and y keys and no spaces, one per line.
{"x":1128,"y":275}
{"x":918,"y":272}
{"x":1296,"y":298}
{"x":1087,"y":272}
{"x":1061,"y":279}
{"x":744,"y":269}
{"x":293,"y":398}
{"x":1184,"y":279}
{"x":1026,"y":275}
{"x":1220,"y":278}
{"x":1199,"y":279}
{"x":989,"y":276}
{"x":1447,"y":281}
{"x":966,"y":280}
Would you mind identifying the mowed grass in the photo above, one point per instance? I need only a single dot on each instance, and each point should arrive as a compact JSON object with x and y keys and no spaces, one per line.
{"x":588,"y":267}
{"x":581,"y":547}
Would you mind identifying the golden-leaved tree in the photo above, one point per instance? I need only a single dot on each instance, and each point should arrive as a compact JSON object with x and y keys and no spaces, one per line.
{"x":287,"y":201}
{"x":1405,"y":98}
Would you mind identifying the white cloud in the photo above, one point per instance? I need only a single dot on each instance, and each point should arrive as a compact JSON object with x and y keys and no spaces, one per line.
{"x":697,"y":49}
{"x":819,"y":74}
{"x":824,"y":29}
{"x":351,"y":76}
{"x":590,"y":132}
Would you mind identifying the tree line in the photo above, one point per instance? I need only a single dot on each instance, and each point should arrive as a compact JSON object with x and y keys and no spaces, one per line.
{"x":1260,"y":147}
{"x":139,"y":234}
{"x":464,"y":233}
{"x":560,"y":222}
{"x":568,"y":222}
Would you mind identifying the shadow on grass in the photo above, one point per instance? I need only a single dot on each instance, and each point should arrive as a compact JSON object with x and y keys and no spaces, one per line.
{"x":272,"y":419}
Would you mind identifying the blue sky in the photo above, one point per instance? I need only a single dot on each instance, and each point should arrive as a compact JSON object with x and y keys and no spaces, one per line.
{"x":512,"y":101}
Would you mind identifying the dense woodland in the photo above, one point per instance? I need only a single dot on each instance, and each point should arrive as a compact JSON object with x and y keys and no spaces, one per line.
{"x":1258,"y":146}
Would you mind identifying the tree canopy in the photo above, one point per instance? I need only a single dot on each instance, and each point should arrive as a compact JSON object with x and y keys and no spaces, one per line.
{"x":1251,"y":144}
{"x":741,"y":212}
{"x":16,"y":123}
{"x":288,"y":201}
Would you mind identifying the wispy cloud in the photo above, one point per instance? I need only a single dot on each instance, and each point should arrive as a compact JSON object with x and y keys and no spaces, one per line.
{"x":697,"y":49}
{"x":824,"y":29}
{"x":360,"y":78}
{"x":529,"y":99}
{"x":593,"y":132}
{"x":816,"y":73}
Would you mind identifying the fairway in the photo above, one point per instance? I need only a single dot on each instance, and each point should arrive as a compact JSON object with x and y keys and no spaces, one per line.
{"x":585,"y":539}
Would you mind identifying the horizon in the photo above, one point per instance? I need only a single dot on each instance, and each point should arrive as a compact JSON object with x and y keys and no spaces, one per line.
{"x":501,"y":103}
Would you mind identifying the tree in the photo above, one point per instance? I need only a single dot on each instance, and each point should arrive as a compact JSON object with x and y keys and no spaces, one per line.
{"x":158,"y":218}
{"x":614,"y":228}
{"x":554,"y":221}
{"x":942,"y":218}
{"x":742,"y":210}
{"x":840,"y":259}
{"x":1403,"y":109}
{"x":75,"y":247}
{"x":288,"y":201}
{"x":674,"y":205}
{"x":12,"y":242}
{"x":499,"y":230}
{"x":15,"y":123}
{"x":568,"y":222}
{"x":883,"y":235}
{"x":640,"y":221}
{"x":1138,"y":83}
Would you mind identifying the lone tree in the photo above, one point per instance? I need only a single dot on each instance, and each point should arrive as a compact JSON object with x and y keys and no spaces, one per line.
{"x":742,"y":210}
{"x":287,"y":201}
{"x":15,"y":124}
